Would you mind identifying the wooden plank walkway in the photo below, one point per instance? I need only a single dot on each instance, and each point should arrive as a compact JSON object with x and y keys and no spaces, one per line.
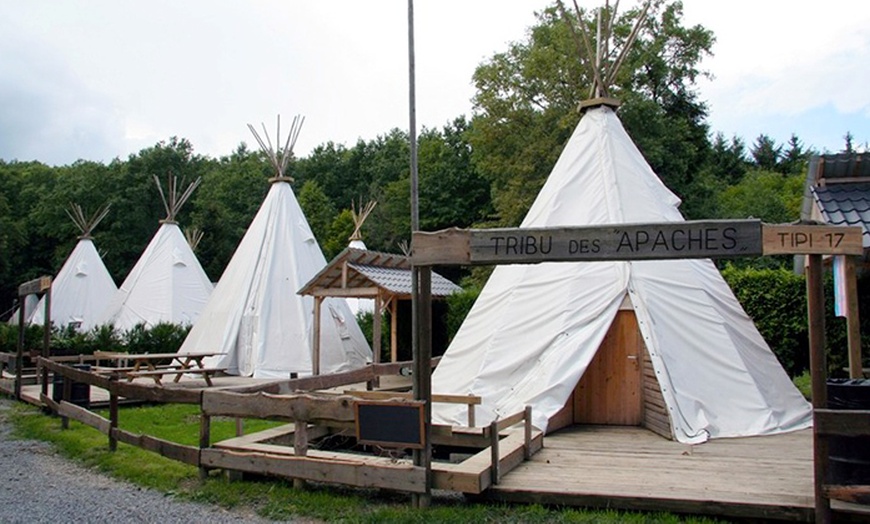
{"x":632,"y":468}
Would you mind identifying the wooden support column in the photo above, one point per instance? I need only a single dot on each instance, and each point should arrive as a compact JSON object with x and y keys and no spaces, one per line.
{"x":376,"y":330}
{"x":67,"y":396}
{"x":527,"y":426}
{"x":853,"y":318}
{"x":46,"y":329}
{"x":300,"y":446}
{"x":493,"y":455}
{"x":204,"y":441}
{"x":422,"y":345}
{"x":113,"y":412}
{"x":818,"y":371}
{"x":315,"y":344}
{"x":19,"y":355}
{"x":394,"y":329}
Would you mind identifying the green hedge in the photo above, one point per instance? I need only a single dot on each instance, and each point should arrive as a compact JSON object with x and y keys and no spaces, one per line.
{"x":162,"y":338}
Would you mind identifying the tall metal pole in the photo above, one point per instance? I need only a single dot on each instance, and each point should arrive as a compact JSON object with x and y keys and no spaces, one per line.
{"x":422,"y":388}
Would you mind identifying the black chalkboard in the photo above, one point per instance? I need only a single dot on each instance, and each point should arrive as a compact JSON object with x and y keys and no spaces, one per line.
{"x":391,"y":425}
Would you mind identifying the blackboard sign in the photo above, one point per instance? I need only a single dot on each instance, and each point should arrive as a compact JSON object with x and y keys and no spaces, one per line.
{"x":390,"y":424}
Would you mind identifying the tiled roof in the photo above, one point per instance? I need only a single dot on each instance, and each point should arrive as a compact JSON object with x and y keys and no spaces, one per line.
{"x":845,"y":204}
{"x":398,"y":281}
{"x":367,"y":269}
{"x":844,"y":165}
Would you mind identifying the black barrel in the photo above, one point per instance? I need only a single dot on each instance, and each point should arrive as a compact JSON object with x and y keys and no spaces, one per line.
{"x":80,"y":392}
{"x":849,"y":456}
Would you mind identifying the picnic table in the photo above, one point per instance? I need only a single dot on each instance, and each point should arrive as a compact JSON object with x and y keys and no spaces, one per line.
{"x":137,"y":365}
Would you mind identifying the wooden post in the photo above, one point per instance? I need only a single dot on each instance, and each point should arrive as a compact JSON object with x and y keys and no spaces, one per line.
{"x":300,"y":446}
{"x":818,"y":371}
{"x":113,"y":412}
{"x":315,"y":345}
{"x":204,"y":441}
{"x":376,"y":330}
{"x":67,"y":396}
{"x":240,"y":426}
{"x":422,"y":344}
{"x":19,"y":355}
{"x":394,"y":328}
{"x":493,"y":456}
{"x":852,"y":318}
{"x":44,"y":379}
{"x":46,"y":328}
{"x":527,"y":422}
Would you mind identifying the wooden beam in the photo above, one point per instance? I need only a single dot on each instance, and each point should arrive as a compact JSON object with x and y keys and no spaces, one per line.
{"x":855,"y":494}
{"x":34,"y":287}
{"x":843,"y":423}
{"x":394,"y":330}
{"x":363,"y":292}
{"x":88,"y":418}
{"x":171,"y":450}
{"x":309,"y":408}
{"x":399,"y":477}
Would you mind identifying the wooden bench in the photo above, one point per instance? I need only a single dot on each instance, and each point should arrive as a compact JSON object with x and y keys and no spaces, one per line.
{"x":158,"y":374}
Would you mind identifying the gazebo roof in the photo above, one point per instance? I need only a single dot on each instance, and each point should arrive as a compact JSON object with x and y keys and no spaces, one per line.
{"x":365,"y":273}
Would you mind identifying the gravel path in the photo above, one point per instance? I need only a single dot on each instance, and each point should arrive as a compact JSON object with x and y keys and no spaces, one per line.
{"x":38,"y":486}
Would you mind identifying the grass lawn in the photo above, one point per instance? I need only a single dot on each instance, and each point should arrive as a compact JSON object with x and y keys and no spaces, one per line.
{"x":272,"y":498}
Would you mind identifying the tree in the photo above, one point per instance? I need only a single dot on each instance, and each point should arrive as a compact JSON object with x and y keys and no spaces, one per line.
{"x":794,"y":160}
{"x":318,"y":210}
{"x":525,"y":100}
{"x":766,"y":153}
{"x":727,"y":160}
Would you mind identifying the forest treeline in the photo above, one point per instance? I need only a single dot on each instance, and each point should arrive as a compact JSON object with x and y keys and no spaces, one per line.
{"x":480,"y":170}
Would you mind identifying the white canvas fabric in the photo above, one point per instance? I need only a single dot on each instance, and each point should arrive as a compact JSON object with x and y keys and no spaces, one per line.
{"x":81,"y":290}
{"x":255,"y":315}
{"x":535,"y":328}
{"x":30,"y":303}
{"x":167,"y":284}
{"x":359,"y":305}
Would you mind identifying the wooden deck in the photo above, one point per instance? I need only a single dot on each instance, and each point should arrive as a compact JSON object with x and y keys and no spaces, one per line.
{"x":632,"y":468}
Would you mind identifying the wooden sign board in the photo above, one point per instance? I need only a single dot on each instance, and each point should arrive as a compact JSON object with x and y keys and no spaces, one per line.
{"x":662,"y":241}
{"x":812,"y":240}
{"x":34,"y":287}
{"x":390,"y":424}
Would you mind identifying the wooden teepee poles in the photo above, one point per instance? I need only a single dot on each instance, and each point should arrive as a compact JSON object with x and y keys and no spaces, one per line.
{"x":84,"y":224}
{"x":172,"y":201}
{"x":601,"y":69}
{"x":359,"y":218}
{"x":279,"y":163}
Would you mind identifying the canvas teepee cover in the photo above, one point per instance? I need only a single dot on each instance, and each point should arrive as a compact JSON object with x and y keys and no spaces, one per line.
{"x":360,"y":305}
{"x":167,"y":284}
{"x":83,"y":286}
{"x":255,"y":315}
{"x":535,"y":328}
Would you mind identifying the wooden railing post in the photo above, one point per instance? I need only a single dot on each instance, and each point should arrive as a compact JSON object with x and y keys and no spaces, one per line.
{"x":527,"y":444}
{"x":113,"y":412}
{"x":300,"y":446}
{"x":66,"y":397}
{"x":204,"y":440}
{"x":493,"y":446}
{"x":19,"y":354}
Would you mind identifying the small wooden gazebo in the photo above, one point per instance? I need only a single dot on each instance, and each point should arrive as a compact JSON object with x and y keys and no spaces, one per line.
{"x":383,"y":277}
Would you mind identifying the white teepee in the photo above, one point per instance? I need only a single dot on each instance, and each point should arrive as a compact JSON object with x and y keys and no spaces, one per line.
{"x":360,"y":305}
{"x":83,"y":286}
{"x":535,"y":328}
{"x":255,"y":315}
{"x":167,"y":284}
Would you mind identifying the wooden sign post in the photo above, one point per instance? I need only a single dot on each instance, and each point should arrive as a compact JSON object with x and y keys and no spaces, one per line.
{"x":39,"y":286}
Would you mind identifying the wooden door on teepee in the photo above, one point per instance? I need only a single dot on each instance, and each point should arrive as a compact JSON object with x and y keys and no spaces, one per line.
{"x":610,"y":391}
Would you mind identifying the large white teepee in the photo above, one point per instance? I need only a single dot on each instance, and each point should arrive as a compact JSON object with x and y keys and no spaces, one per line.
{"x":167,"y":284}
{"x":255,"y":315}
{"x":535,"y":328}
{"x":83,"y":286}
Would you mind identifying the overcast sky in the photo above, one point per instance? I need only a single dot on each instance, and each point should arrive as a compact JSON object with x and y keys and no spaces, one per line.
{"x":100,"y":79}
